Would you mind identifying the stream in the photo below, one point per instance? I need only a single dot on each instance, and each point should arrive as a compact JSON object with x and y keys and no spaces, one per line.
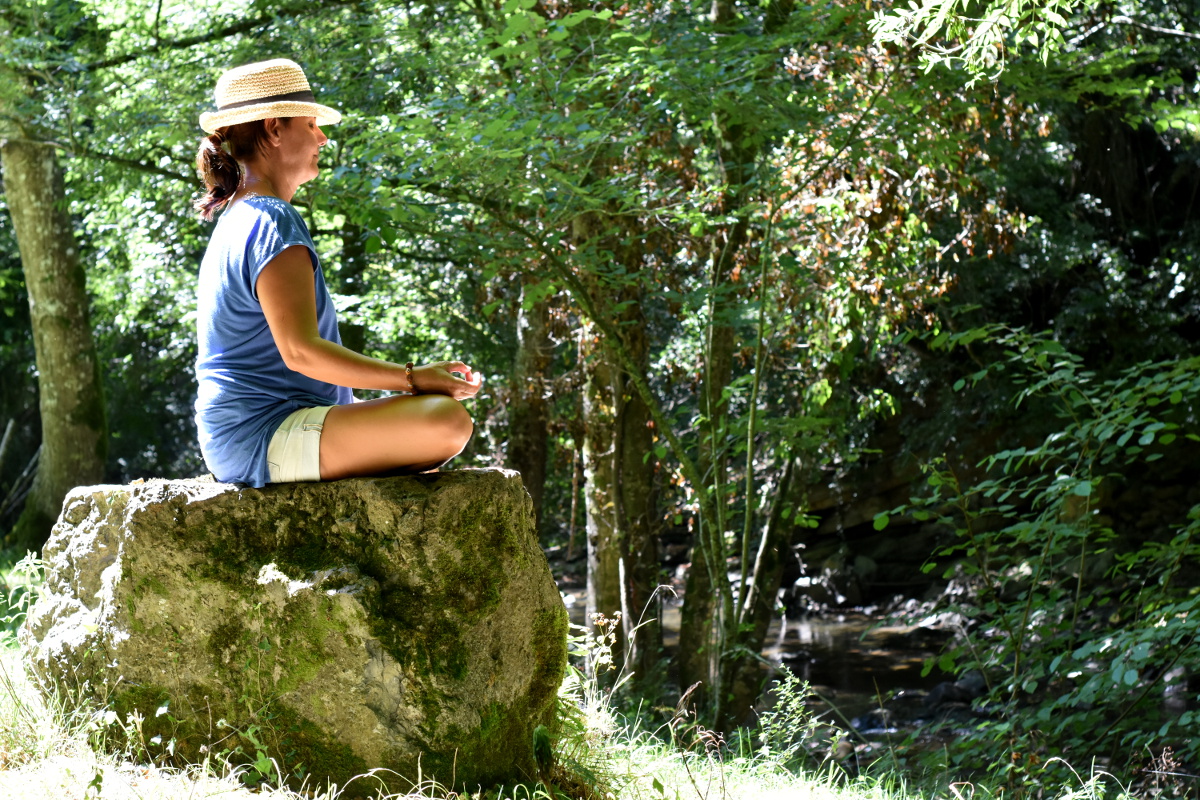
{"x":849,"y":658}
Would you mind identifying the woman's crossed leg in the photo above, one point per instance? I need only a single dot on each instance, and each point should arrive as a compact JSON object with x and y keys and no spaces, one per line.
{"x":400,"y":434}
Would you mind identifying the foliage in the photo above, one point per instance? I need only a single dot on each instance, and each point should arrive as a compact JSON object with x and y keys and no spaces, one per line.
{"x":1082,"y":631}
{"x":788,"y":733}
{"x":954,"y":32}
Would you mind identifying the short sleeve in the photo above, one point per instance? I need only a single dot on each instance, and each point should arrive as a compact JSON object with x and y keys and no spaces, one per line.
{"x":278,"y":227}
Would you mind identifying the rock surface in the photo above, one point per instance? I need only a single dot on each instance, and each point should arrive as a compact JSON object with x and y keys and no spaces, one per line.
{"x":407,"y":624}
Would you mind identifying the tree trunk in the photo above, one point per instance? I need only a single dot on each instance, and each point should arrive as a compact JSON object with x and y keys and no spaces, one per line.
{"x":635,"y":463}
{"x":700,"y":639}
{"x":743,"y":673}
{"x":600,"y":490}
{"x":622,"y":549}
{"x":74,"y":429}
{"x":350,"y":280}
{"x":707,"y":626}
{"x":528,"y":405}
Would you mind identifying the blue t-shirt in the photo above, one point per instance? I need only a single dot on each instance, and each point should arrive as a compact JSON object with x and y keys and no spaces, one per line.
{"x":245,"y":388}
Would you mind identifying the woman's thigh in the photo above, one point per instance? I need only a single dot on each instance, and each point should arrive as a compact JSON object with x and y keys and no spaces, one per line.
{"x":392,"y":433}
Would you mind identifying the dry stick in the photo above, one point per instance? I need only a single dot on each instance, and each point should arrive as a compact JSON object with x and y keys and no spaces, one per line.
{"x":773,"y":522}
{"x":20,"y":487}
{"x":576,"y":468}
{"x":1156,"y":29}
{"x":4,"y":442}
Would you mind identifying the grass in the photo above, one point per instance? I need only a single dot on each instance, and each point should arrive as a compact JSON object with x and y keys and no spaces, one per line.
{"x":50,"y":750}
{"x":46,"y":751}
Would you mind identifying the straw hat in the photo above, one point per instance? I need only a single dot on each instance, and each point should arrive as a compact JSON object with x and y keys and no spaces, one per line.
{"x":263,"y":90}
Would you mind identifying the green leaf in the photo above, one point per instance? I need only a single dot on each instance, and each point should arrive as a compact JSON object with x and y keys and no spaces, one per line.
{"x":881,"y":520}
{"x":1082,"y":489}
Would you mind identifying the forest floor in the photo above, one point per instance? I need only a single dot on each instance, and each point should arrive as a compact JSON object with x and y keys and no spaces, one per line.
{"x":48,"y":752}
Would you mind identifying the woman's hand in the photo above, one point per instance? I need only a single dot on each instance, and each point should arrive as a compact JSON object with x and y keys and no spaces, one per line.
{"x":439,"y":378}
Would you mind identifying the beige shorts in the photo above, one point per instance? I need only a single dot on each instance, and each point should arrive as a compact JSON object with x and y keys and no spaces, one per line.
{"x":294,"y":453}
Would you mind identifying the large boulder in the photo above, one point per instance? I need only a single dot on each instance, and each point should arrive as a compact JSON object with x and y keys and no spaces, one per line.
{"x":408,"y":624}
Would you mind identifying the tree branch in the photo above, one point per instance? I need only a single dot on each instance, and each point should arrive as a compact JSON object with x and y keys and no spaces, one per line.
{"x":140,"y":166}
{"x":242,"y":26}
{"x":1156,"y":29}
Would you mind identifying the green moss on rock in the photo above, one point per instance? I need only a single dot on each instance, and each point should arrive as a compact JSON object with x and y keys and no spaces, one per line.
{"x":415,"y":622}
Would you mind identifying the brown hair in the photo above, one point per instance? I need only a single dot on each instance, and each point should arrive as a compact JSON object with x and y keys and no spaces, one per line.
{"x":218,"y":161}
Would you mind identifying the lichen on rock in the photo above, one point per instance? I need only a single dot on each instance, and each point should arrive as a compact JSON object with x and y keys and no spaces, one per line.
{"x":399,"y":625}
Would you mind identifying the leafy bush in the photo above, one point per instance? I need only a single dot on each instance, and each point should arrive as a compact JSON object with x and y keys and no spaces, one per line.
{"x":1084,"y":626}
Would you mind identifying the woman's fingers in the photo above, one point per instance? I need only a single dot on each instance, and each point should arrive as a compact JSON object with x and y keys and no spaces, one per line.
{"x":439,"y":378}
{"x":455,"y":366}
{"x":467,"y":386}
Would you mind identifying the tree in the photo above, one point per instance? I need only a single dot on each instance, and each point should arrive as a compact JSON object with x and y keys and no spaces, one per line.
{"x":74,"y":430}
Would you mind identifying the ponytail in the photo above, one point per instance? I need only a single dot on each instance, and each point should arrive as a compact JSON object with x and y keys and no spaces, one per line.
{"x":221,"y":174}
{"x":219,"y":162}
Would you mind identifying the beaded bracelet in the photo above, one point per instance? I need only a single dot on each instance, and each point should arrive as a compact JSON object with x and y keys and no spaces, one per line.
{"x":412,"y":387}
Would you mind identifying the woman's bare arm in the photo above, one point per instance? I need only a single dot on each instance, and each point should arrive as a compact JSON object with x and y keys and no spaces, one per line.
{"x":288,"y":296}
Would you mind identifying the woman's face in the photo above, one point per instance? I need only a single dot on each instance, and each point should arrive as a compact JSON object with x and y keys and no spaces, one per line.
{"x":300,"y":141}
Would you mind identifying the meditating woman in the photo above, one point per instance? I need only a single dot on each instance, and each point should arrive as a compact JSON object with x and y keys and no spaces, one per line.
{"x":275,"y":399}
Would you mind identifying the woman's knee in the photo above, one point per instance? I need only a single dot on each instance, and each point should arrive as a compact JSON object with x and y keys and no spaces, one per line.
{"x":451,"y":418}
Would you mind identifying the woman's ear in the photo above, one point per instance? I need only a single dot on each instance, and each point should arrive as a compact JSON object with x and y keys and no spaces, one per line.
{"x":271,"y":127}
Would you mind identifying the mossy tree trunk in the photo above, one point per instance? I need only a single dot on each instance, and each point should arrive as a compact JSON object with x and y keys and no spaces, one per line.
{"x":599,"y":478}
{"x":74,"y":430}
{"x":619,"y":464}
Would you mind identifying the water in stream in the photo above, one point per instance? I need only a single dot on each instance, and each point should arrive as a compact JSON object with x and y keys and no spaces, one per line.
{"x":849,"y":658}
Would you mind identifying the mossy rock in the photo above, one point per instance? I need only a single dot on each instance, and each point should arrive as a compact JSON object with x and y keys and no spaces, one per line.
{"x":398,"y":626}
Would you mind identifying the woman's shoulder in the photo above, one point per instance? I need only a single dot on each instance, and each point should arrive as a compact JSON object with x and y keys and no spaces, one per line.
{"x":252,"y":211}
{"x":260,"y":205}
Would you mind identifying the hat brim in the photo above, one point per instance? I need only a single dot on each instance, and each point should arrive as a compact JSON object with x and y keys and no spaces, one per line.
{"x":210,"y":121}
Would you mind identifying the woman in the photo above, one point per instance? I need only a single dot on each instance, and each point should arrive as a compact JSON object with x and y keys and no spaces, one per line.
{"x":274,"y":403}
